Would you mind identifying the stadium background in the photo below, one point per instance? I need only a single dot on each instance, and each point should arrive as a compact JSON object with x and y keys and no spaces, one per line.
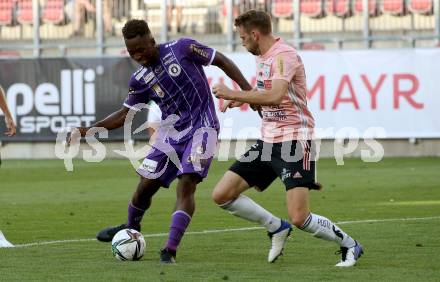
{"x":392,"y":206}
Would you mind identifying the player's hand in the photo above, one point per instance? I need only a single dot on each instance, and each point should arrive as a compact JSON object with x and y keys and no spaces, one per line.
{"x":221,"y":91}
{"x":10,"y":125}
{"x":75,"y":134}
{"x":230,"y":104}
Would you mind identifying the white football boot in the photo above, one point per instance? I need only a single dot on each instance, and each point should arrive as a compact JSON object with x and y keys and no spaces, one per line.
{"x":278,"y":239}
{"x":350,"y":255}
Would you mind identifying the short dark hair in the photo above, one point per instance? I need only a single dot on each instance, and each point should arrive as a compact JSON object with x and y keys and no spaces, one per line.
{"x":133,"y":28}
{"x":255,"y":19}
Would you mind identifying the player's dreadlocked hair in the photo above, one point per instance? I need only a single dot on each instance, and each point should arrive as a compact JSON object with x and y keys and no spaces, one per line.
{"x":255,"y":19}
{"x":134,"y":27}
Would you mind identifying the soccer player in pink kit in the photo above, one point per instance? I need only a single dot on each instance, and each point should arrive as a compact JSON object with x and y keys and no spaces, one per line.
{"x":285,"y":150}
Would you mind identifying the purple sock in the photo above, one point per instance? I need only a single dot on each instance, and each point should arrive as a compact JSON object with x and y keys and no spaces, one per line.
{"x":179,"y":223}
{"x":134,"y":216}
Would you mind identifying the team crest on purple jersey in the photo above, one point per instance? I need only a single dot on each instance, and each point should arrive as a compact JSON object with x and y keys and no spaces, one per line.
{"x":174,"y":70}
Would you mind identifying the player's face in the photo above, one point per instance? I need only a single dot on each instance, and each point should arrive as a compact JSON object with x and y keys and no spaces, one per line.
{"x":248,"y":40}
{"x":142,"y":49}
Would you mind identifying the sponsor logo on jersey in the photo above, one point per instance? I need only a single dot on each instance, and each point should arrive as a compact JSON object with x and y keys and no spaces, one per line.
{"x":148,"y":77}
{"x":159,"y":92}
{"x":276,"y":114}
{"x":140,"y":73}
{"x":199,"y":51}
{"x":149,"y":165}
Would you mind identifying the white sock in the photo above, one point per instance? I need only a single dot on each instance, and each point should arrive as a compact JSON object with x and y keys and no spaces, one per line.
{"x":247,"y":209}
{"x":324,"y":228}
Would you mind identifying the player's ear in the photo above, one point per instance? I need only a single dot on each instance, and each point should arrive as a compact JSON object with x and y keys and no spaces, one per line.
{"x":255,"y":34}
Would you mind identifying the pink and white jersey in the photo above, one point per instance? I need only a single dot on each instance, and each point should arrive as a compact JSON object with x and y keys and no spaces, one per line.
{"x":291,"y":120}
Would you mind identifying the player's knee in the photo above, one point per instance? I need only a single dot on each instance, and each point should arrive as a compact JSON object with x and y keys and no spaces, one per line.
{"x":147,"y":187}
{"x":223,"y":194}
{"x":218,"y":197}
{"x":298,"y":218}
{"x":228,"y":188}
{"x":144,"y":192}
{"x":186,"y":187}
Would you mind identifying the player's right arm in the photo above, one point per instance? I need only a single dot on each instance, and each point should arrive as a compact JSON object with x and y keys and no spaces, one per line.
{"x":113,"y":121}
{"x":136,"y":96}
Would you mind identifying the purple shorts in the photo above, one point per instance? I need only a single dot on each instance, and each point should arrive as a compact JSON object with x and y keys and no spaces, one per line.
{"x":167,"y":161}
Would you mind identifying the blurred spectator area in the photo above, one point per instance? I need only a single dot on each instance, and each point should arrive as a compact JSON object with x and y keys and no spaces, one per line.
{"x":209,"y":16}
{"x":347,"y":15}
{"x":57,"y":17}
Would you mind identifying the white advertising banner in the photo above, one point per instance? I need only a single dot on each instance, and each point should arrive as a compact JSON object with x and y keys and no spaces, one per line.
{"x":366,"y":93}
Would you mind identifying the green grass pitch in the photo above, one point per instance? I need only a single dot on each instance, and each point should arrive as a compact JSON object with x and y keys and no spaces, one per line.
{"x":41,"y":202}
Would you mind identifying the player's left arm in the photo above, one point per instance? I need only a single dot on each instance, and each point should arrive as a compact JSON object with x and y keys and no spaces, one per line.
{"x":204,"y":55}
{"x":10,"y":124}
{"x":271,"y":97}
{"x":231,"y":70}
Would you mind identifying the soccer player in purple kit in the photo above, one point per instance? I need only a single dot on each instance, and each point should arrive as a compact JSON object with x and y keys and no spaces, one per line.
{"x":171,"y":75}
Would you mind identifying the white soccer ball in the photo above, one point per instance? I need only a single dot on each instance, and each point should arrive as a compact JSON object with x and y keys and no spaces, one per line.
{"x":128,"y":244}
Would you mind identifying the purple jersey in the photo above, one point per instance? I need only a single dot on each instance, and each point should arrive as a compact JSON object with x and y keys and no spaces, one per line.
{"x":177,"y":83}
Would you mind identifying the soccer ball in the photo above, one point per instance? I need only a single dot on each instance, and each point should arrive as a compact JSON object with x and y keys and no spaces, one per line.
{"x":128,"y":244}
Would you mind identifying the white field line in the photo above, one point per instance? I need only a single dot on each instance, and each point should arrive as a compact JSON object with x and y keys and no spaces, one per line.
{"x":43,"y":243}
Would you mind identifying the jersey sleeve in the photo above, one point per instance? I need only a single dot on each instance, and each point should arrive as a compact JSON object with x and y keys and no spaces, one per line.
{"x":137,"y":94}
{"x":285,"y":65}
{"x":196,"y":51}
